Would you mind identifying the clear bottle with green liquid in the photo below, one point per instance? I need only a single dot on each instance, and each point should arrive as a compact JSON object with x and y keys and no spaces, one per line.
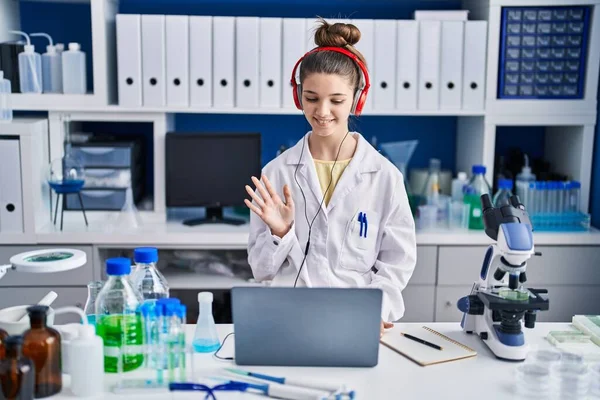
{"x":118,"y":321}
{"x":476,"y":187}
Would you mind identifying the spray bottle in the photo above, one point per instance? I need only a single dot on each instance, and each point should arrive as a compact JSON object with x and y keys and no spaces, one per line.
{"x":524,"y":178}
{"x":30,"y":67}
{"x":51,"y":67}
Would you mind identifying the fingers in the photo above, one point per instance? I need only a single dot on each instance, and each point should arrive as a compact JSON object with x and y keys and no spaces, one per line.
{"x":255,"y":197}
{"x":269,"y":187}
{"x":261,"y":189}
{"x":388,"y":325}
{"x":251,"y":206}
{"x":287,"y":193}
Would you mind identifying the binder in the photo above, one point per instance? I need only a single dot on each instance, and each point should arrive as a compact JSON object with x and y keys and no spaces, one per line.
{"x":422,"y":354}
{"x":246,"y":62}
{"x":129,"y":59}
{"x":408,"y":56}
{"x":11,"y":202}
{"x":311,"y":28}
{"x":223,"y":61}
{"x":475,"y":46}
{"x":153,"y":60}
{"x":294,"y":46}
{"x":452,"y":40}
{"x":384,"y":81}
{"x":177,"y":50}
{"x":270,"y":62}
{"x":201,"y":71}
{"x":366,"y":47}
{"x":428,"y":93}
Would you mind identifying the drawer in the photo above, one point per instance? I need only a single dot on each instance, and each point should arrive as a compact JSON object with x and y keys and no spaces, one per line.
{"x":103,"y":156}
{"x":75,"y":277}
{"x":445,"y":302}
{"x":108,"y":200}
{"x":30,"y":295}
{"x":107,"y":178}
{"x":424,"y":273}
{"x":418,"y":303}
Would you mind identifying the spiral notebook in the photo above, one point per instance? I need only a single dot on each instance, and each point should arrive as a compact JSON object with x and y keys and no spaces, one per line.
{"x":422,"y":354}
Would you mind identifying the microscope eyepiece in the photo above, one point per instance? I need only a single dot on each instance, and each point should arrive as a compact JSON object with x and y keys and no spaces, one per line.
{"x":486,"y":202}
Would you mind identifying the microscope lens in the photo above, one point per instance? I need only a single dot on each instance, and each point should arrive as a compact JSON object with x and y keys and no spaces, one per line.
{"x":513,"y":281}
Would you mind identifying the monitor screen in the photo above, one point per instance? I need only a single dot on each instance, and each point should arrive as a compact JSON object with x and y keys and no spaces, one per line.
{"x":210,"y":170}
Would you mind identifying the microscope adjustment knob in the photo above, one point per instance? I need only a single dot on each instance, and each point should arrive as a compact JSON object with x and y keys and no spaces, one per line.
{"x":530,"y":320}
{"x":470,"y":305}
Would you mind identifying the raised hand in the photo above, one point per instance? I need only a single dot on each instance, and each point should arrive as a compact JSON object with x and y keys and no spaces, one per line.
{"x":269,"y":206}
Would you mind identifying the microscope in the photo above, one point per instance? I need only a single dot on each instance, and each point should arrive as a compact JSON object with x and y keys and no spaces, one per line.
{"x":499,"y":305}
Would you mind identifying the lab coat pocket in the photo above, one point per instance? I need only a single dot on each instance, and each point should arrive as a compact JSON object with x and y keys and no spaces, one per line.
{"x":359,"y":249}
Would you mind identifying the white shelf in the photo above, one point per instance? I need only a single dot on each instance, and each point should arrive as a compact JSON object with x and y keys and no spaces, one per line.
{"x":51,"y":101}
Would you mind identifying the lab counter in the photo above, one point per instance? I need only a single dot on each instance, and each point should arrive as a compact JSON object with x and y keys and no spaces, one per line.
{"x":395,"y":377}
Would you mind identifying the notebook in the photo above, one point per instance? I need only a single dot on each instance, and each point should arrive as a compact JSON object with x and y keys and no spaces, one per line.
{"x":422,"y":354}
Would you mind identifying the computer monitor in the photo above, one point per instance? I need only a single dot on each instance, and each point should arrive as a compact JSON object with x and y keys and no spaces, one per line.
{"x":210,"y":170}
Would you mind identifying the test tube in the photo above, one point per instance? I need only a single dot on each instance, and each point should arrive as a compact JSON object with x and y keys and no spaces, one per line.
{"x":553,"y":197}
{"x":574,"y":194}
{"x":531,"y":198}
{"x":561,"y":197}
{"x":182,"y":348}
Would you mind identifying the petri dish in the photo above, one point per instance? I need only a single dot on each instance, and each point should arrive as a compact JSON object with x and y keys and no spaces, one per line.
{"x":533,"y":381}
{"x":572,"y":380}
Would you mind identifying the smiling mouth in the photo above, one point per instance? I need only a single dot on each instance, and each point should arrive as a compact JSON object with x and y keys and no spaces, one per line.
{"x":323,"y":122}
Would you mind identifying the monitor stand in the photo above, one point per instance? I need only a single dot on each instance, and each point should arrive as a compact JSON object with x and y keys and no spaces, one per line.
{"x":214,"y":215}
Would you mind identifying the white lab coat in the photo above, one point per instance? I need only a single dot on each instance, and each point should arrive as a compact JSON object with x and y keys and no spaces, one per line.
{"x":338,"y":255}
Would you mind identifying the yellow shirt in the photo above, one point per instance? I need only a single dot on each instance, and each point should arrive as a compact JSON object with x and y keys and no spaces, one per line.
{"x":324,"y":172}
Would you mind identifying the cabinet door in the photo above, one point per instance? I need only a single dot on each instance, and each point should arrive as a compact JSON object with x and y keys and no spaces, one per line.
{"x":445,"y":304}
{"x":424,"y":273}
{"x":74,"y":296}
{"x":566,"y":301}
{"x":418,"y":303}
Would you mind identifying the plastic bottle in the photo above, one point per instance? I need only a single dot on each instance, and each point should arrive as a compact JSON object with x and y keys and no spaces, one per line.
{"x":51,"y":67}
{"x":87,"y":363}
{"x":30,"y":67}
{"x":117,"y":320}
{"x":206,"y":339}
{"x":5,"y":92}
{"x":458,"y":185}
{"x":17,"y":372}
{"x":431,"y":190}
{"x":3,"y":336}
{"x":94,"y":289}
{"x":524,"y":178}
{"x":477,"y":186}
{"x":147,"y":279}
{"x":74,"y":70}
{"x":42,"y":345}
{"x":60,"y":48}
{"x":502,"y":197}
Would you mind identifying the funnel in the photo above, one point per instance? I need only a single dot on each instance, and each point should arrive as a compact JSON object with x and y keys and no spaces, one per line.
{"x":400,"y":153}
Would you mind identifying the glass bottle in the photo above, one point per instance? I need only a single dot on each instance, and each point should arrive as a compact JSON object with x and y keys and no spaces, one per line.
{"x":477,"y":186}
{"x":42,"y":345}
{"x":147,"y":279}
{"x":3,"y":336}
{"x":94,"y":288}
{"x":17,"y":373}
{"x":117,"y":321}
{"x":206,"y":339}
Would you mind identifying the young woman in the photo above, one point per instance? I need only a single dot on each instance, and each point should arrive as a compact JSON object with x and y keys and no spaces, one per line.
{"x":331,"y":211}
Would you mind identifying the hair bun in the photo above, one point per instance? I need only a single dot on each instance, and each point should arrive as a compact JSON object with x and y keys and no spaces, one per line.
{"x":336,"y":35}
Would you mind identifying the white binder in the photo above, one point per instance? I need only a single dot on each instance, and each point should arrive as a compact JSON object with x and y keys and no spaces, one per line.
{"x":366,"y":47}
{"x":311,"y":28}
{"x":451,"y":65}
{"x":270,"y":62}
{"x":153,"y":60}
{"x":294,"y":47}
{"x":177,"y":39}
{"x":428,"y":93}
{"x":11,"y":202}
{"x":223,"y":61}
{"x":384,"y":82}
{"x":201,"y":72}
{"x":246,"y":62}
{"x":408,"y":58}
{"x":129,"y":59}
{"x":474,"y":65}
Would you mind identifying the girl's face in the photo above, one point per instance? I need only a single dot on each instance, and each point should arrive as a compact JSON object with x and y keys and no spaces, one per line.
{"x":327,"y":101}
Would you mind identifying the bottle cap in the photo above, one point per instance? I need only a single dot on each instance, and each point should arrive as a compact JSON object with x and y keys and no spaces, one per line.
{"x":171,"y":309}
{"x":168,"y":300}
{"x":118,"y":266}
{"x":182,"y":311}
{"x":478,"y":169}
{"x":50,"y":49}
{"x":74,"y":46}
{"x":38,"y":311}
{"x":145,"y":255}
{"x":14,"y":341}
{"x":575,"y":185}
{"x":87,"y":331}
{"x":59,"y":46}
{"x":205,"y":297}
{"x":505,"y":184}
{"x":462,"y":176}
{"x":29,"y":48}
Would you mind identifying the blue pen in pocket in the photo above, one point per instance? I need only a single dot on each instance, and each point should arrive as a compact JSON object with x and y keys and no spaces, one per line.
{"x":366,"y":223}
{"x":360,"y":219}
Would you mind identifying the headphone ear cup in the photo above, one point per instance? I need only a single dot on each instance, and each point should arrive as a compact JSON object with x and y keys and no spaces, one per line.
{"x":297,"y":93}
{"x":359,"y":102}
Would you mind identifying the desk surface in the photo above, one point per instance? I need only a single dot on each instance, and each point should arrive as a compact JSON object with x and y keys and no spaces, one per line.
{"x":395,"y":377}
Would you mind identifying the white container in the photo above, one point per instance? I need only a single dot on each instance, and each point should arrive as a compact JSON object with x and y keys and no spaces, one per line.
{"x":68,"y":333}
{"x":442,"y":15}
{"x":457,"y":186}
{"x":73,"y":70}
{"x":5,"y":91}
{"x":87,"y":363}
{"x":51,"y":67}
{"x":9,"y":319}
{"x":30,"y":67}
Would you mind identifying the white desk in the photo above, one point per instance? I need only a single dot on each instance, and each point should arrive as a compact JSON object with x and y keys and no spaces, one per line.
{"x":395,"y":377}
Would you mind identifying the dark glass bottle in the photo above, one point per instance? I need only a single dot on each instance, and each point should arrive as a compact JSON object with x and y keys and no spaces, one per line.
{"x":3,"y":336}
{"x":42,"y":345}
{"x":17,"y":373}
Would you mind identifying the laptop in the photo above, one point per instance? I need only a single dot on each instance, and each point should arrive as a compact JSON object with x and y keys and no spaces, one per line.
{"x":309,"y":327}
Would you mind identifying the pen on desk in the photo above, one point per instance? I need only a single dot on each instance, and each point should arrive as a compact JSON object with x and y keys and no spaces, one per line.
{"x":425,"y":342}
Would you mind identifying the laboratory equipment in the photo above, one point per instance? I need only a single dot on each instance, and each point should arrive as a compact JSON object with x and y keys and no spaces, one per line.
{"x":46,"y":260}
{"x":47,"y":300}
{"x":66,"y":176}
{"x":497,"y":317}
{"x":3,"y":336}
{"x":74,"y":70}
{"x":94,"y":289}
{"x":41,"y":344}
{"x":458,"y":185}
{"x":431,"y":189}
{"x":502,"y":197}
{"x":400,"y":153}
{"x":17,"y":374}
{"x":87,"y":362}
{"x":198,"y":158}
{"x":6,"y":113}
{"x":458,"y":215}
{"x":428,"y":214}
{"x":51,"y":67}
{"x":117,"y":321}
{"x":146,"y":278}
{"x":30,"y":67}
{"x":476,"y":187}
{"x":206,"y":339}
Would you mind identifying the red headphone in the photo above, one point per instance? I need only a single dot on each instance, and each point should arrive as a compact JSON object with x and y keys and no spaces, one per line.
{"x":361,"y":94}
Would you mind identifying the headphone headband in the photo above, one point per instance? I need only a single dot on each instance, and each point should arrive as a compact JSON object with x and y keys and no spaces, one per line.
{"x":361,"y":94}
